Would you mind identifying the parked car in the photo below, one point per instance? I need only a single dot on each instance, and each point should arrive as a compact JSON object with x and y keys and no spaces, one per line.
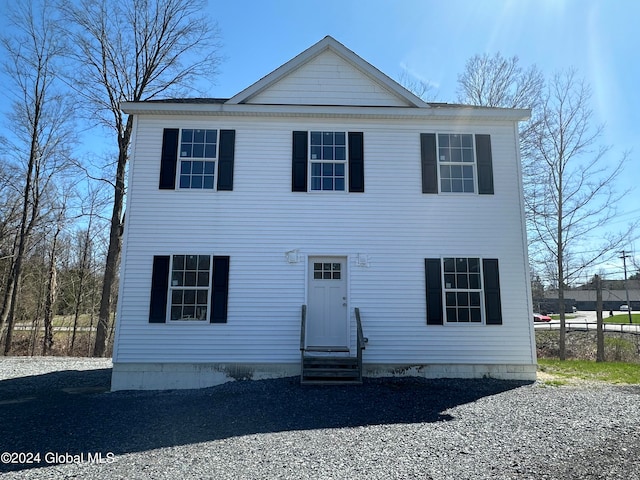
{"x":538,"y":317}
{"x":624,"y":308}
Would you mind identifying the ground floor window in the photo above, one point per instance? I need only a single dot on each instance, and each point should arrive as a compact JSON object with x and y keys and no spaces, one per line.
{"x":189,"y":289}
{"x":463,"y":290}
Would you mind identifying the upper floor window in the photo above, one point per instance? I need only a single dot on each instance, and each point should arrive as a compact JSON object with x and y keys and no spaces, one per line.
{"x":197,"y":157}
{"x":327,"y":161}
{"x":198,"y":154}
{"x":328,"y":158}
{"x":456,"y":161}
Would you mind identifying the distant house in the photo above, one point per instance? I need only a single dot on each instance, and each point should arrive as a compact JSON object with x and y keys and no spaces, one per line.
{"x":261,"y":228}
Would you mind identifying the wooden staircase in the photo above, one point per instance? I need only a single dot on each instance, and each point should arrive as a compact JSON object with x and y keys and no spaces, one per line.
{"x":330,"y":370}
{"x":319,"y":366}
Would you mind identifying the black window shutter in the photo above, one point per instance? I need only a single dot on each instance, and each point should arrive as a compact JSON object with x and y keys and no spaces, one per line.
{"x":220,"y":290}
{"x":485,"y":164}
{"x":299,"y":162}
{"x":225,"y":159}
{"x":169,"y":158}
{"x":433,"y":277}
{"x":493,"y":308}
{"x":159,"y":289}
{"x":356,"y":162}
{"x":429,"y":161}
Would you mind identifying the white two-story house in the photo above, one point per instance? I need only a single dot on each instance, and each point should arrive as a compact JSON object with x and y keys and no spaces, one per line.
{"x":324,"y":222}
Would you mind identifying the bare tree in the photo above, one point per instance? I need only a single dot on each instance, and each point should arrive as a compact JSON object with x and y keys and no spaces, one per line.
{"x":41,"y":128}
{"x":9,"y":216}
{"x":420,"y":88}
{"x":85,"y":252}
{"x":133,"y":50}
{"x":576,"y":194}
{"x":496,"y":81}
{"x":52,"y":283}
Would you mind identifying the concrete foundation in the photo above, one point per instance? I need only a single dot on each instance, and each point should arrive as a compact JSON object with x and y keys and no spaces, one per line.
{"x":169,"y":376}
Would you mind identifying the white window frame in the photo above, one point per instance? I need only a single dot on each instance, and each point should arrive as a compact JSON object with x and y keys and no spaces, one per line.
{"x":214,"y":160}
{"x":446,"y":289}
{"x":174,"y":287}
{"x":322,"y":162}
{"x":461,"y":164}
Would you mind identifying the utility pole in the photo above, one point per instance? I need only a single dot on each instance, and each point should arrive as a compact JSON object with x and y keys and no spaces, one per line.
{"x":624,"y":257}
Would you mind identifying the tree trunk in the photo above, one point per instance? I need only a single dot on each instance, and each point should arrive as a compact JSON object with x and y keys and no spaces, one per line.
{"x":52,"y":287}
{"x":8,"y":291}
{"x":83,"y":271}
{"x":113,"y":252}
{"x":560,"y":258}
{"x":26,"y":226}
{"x":599,"y":331}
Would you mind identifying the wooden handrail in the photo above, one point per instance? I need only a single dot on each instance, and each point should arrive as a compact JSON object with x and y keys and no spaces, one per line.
{"x":361,"y":340}
{"x":303,"y":327}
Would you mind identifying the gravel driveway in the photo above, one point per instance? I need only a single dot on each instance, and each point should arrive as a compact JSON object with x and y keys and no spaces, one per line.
{"x":384,"y":429}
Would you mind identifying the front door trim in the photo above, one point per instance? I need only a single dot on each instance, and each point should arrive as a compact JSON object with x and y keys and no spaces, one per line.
{"x":344,"y":344}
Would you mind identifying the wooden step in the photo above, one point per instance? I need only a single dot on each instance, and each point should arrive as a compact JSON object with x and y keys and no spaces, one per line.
{"x":334,"y":361}
{"x":328,"y":349}
{"x":330,"y":370}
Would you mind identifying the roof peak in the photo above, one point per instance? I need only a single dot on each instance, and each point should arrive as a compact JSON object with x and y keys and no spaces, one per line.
{"x":329,"y":43}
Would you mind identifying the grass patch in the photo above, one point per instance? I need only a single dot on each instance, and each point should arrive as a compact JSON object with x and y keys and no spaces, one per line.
{"x":555,"y":383}
{"x":556,"y":316}
{"x":611,"y":372}
{"x":622,"y":318}
{"x":84,"y":320}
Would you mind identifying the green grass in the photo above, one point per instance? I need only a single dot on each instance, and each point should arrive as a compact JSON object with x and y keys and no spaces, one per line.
{"x":84,"y":320}
{"x":622,"y":318}
{"x":611,"y":372}
{"x":566,"y":316}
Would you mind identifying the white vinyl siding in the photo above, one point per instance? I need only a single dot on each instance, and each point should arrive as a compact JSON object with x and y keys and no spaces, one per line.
{"x":393,"y":225}
{"x":328,"y":80}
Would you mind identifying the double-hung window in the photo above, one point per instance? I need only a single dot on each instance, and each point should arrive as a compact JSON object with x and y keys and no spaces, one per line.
{"x":200,"y":159}
{"x":198,"y":154}
{"x":462,"y":289}
{"x":456,"y":161}
{"x":190,"y":287}
{"x":328,"y":159}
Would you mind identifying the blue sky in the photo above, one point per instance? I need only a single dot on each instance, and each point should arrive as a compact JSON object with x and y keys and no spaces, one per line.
{"x":432,"y":40}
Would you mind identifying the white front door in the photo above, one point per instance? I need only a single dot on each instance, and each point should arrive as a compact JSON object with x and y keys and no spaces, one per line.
{"x":327,"y":319}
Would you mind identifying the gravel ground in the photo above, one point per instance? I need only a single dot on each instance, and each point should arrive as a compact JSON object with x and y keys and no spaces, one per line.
{"x":384,"y":429}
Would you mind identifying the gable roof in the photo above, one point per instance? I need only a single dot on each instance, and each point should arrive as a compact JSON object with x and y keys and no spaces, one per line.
{"x":329,"y":44}
{"x":326,"y":80}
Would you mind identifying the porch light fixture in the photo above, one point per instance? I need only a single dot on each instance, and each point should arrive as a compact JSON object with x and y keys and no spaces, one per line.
{"x":292,"y":256}
{"x":362,"y":260}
